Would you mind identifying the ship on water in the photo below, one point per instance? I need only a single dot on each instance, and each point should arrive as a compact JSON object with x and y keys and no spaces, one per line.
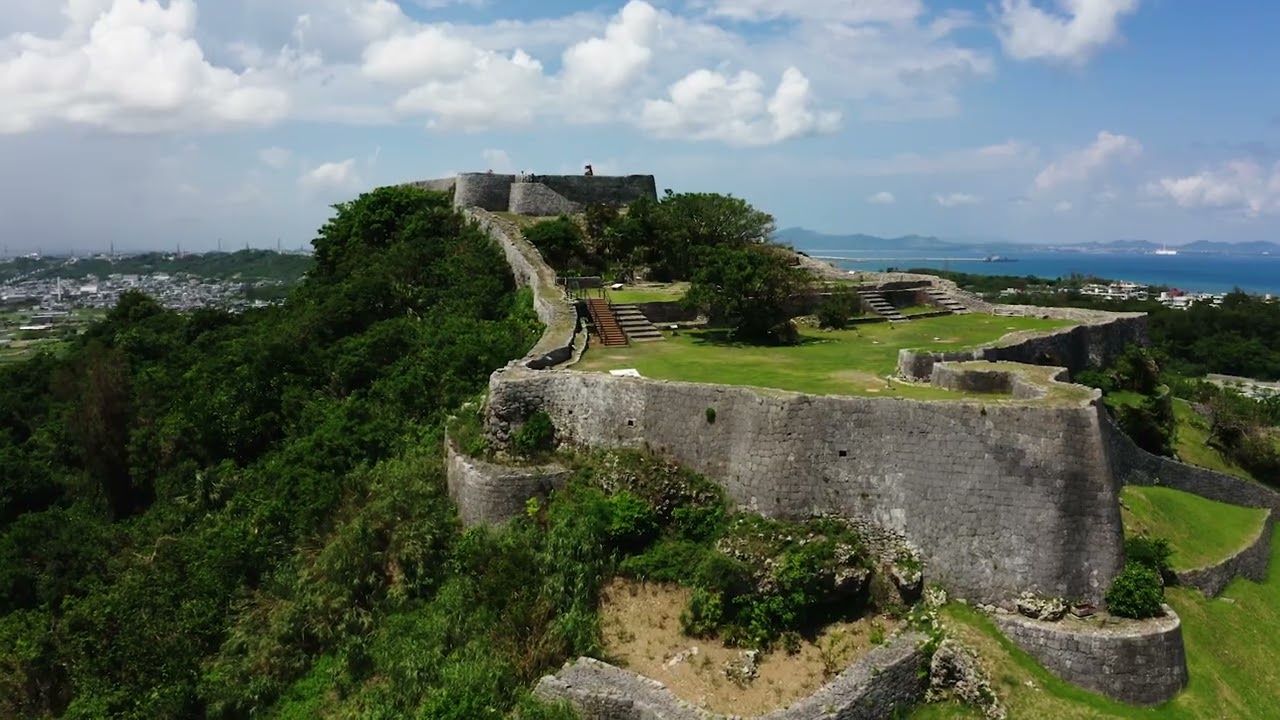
{"x":1164,"y":250}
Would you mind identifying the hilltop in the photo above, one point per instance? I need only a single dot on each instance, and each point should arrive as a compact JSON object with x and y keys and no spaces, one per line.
{"x":239,"y":265}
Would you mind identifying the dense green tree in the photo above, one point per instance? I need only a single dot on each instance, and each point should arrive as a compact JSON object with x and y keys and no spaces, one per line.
{"x":749,"y":288}
{"x":689,"y":223}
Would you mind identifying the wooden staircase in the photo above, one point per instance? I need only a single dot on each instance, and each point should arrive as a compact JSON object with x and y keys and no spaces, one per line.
{"x":606,"y":323}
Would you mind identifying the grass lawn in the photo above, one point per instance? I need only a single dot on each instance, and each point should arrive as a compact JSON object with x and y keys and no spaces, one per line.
{"x":1233,"y":658}
{"x":1202,"y":532}
{"x":843,"y":362}
{"x":649,"y":293}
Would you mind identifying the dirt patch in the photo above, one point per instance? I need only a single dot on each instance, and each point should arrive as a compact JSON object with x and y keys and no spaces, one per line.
{"x":641,"y":626}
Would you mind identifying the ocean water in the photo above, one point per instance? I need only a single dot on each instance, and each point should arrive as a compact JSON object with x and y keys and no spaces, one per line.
{"x":1190,"y":272}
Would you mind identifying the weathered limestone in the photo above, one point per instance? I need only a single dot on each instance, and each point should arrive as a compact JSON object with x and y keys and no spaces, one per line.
{"x":1140,"y":662}
{"x":1000,"y":497}
{"x":490,"y":493}
{"x":887,"y":679}
{"x":552,"y":195}
{"x":1021,"y":382}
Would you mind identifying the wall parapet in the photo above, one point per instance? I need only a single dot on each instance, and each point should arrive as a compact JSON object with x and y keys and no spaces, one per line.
{"x":999,"y":497}
{"x":489,"y":493}
{"x":885,"y":681}
{"x":1097,"y":342}
{"x":1142,"y":662}
{"x":557,"y":344}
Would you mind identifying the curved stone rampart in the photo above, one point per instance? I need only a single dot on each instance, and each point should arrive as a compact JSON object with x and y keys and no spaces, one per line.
{"x":483,"y":190}
{"x":1250,"y":562}
{"x":1096,"y":343}
{"x":438,"y":184}
{"x":601,"y":189}
{"x":885,"y":681}
{"x":1135,"y":466}
{"x":557,"y":344}
{"x":999,"y":497}
{"x":1019,"y":382}
{"x":538,"y":200}
{"x":488,"y":493}
{"x":1139,"y":662}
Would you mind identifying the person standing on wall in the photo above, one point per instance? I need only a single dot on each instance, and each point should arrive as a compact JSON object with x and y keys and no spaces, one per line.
{"x":589,"y":172}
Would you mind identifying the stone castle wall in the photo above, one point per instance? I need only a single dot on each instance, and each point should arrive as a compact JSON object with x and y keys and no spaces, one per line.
{"x":563,"y":329}
{"x":1250,"y":562}
{"x":549,"y":194}
{"x":1143,"y":663}
{"x":1000,"y":498}
{"x":884,"y":682}
{"x":489,"y":493}
{"x":1096,"y":343}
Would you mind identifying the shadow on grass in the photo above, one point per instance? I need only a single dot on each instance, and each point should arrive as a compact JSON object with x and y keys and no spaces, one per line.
{"x":723,"y":337}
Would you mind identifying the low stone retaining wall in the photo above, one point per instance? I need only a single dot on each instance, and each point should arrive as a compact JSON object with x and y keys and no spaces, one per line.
{"x":487,"y":493}
{"x":556,"y":346}
{"x":1097,"y":342}
{"x":1251,"y":563}
{"x":974,"y":378}
{"x":885,"y":681}
{"x":1139,"y":662}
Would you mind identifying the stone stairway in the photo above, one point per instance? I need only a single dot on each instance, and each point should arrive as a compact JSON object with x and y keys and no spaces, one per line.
{"x":636,"y":325}
{"x":607,"y":327}
{"x":945,"y":301}
{"x":883,"y":307}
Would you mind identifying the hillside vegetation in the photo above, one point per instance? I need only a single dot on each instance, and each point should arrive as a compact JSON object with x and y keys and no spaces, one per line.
{"x":239,"y":265}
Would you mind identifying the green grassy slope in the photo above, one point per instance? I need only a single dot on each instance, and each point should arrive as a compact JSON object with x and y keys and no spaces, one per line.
{"x":850,"y":362}
{"x":1202,"y":532}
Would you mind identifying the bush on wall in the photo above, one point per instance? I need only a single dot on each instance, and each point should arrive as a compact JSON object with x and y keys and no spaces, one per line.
{"x":1137,"y":592}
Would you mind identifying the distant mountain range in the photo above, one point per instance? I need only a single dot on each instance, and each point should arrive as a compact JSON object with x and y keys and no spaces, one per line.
{"x":815,"y":242}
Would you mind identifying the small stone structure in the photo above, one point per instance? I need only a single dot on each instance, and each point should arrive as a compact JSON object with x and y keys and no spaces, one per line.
{"x":1136,"y":661}
{"x":1021,"y":382}
{"x":885,"y":681}
{"x":490,"y":493}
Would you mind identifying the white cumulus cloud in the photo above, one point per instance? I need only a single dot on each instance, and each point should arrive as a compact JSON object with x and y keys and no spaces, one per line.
{"x":1079,"y":166}
{"x":851,"y":11}
{"x":1072,"y":36}
{"x":882,"y":198}
{"x":957,"y":199}
{"x":497,"y":160}
{"x":611,"y":63}
{"x":127,"y":66}
{"x":332,"y":179}
{"x":709,"y":105}
{"x":1242,"y":185}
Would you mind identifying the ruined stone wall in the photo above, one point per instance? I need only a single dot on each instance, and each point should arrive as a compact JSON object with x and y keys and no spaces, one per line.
{"x":967,"y":378}
{"x":489,"y":493}
{"x":884,"y":682}
{"x":1000,"y":498}
{"x":556,"y":345}
{"x":1094,"y":344}
{"x":1138,"y":662}
{"x":538,"y":200}
{"x":485,"y":191}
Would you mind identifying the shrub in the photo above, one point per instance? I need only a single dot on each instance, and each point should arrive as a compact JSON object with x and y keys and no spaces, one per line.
{"x":704,"y":614}
{"x":536,"y":436}
{"x":1137,"y":592}
{"x":672,"y":561}
{"x":699,"y":522}
{"x":633,"y":523}
{"x":1151,"y":552}
{"x":834,"y":310}
{"x":711,"y":416}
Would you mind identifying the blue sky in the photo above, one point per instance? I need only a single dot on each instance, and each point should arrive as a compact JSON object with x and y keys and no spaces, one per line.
{"x":151,"y":124}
